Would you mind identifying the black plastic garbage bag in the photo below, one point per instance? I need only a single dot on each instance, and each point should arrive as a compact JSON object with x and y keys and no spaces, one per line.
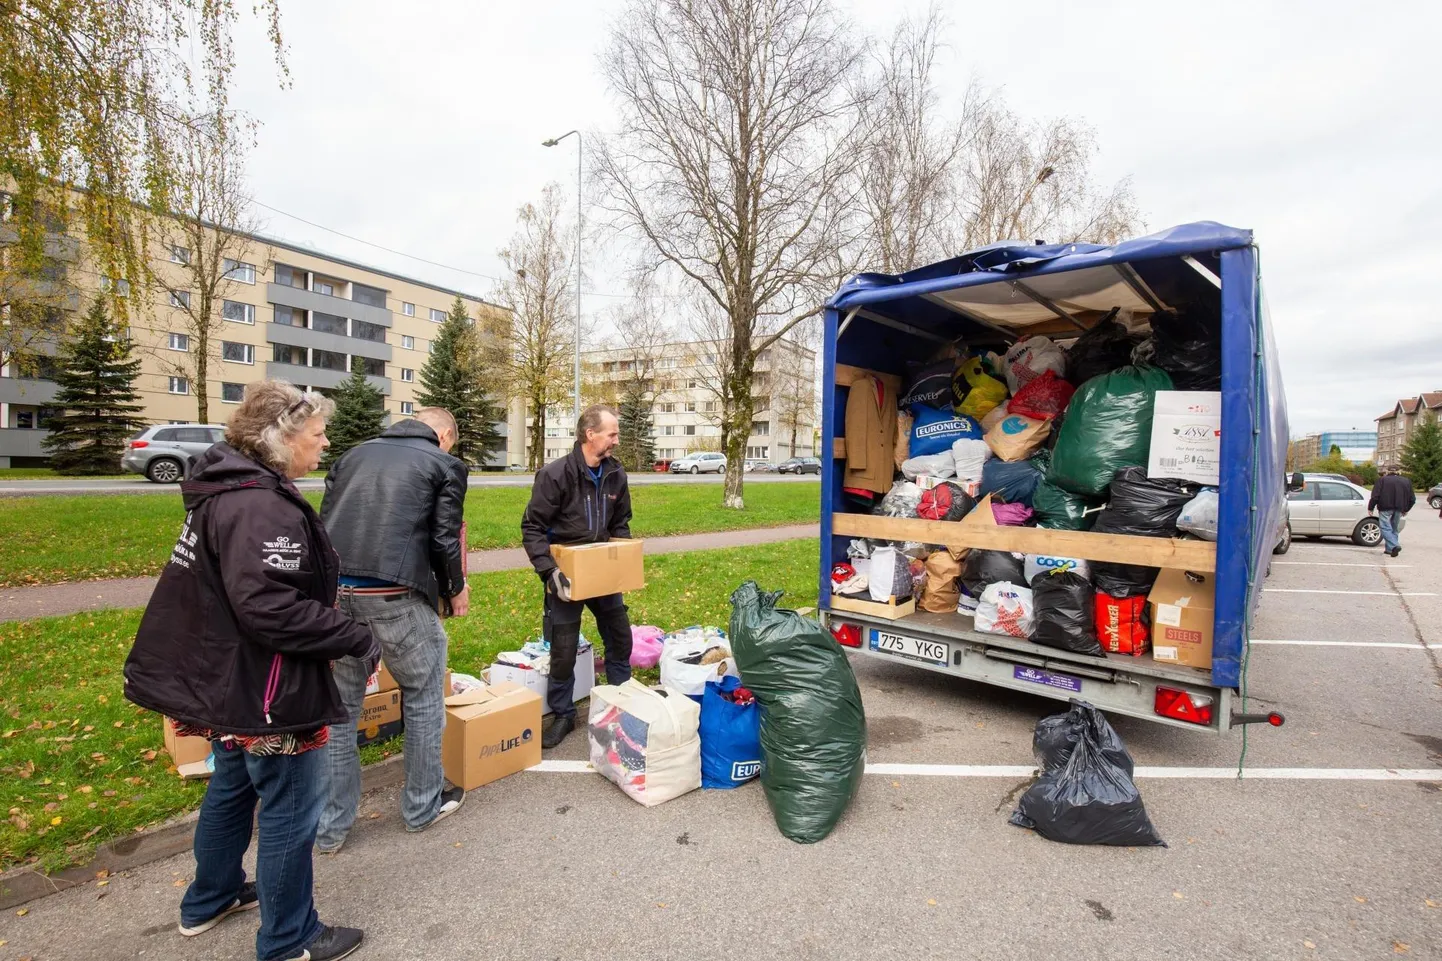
{"x":982,"y":568}
{"x":1143,"y":506}
{"x":1188,"y":346}
{"x":1108,"y":426}
{"x":1061,"y":510}
{"x":1064,"y":604}
{"x":1085,"y":794}
{"x":1105,"y":347}
{"x":813,"y":728}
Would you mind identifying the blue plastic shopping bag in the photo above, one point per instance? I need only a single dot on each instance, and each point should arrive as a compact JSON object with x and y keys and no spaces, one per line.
{"x":730,"y":737}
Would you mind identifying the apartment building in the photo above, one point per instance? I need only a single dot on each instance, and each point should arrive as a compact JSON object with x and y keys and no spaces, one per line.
{"x":1396,"y":426}
{"x":685,"y":413}
{"x":289,"y":313}
{"x":1358,"y":446}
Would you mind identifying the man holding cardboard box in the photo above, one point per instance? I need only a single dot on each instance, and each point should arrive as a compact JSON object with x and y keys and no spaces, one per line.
{"x":581,"y":499}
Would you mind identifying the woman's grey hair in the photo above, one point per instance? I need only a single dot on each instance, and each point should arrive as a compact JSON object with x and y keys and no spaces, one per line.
{"x":271,"y":413}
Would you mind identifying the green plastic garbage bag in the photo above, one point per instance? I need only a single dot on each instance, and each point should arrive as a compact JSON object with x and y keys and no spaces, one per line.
{"x":1108,"y":426}
{"x":1061,"y":510}
{"x":813,"y":728}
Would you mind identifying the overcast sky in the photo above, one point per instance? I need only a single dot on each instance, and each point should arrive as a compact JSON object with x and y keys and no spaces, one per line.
{"x":1319,"y":126}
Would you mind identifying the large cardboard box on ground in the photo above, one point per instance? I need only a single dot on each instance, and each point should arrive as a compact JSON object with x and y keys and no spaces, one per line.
{"x":183,"y":750}
{"x":380,"y":718}
{"x":537,"y":681}
{"x":595,"y":570}
{"x":1183,"y":607}
{"x":490,"y":732}
{"x":1187,"y":436}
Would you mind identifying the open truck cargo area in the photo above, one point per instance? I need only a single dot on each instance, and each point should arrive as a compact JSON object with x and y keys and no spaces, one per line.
{"x":884,"y":326}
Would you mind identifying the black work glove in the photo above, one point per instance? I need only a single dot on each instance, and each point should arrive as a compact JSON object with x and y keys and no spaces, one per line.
{"x":560,"y":585}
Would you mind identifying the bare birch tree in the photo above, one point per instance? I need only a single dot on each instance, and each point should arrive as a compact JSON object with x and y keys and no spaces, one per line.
{"x":737,"y":133}
{"x":539,"y":289}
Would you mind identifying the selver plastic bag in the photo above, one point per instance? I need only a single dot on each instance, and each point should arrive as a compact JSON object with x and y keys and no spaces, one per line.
{"x":1029,"y":358}
{"x":1005,"y":608}
{"x":1108,"y":426}
{"x":813,"y":727}
{"x":1064,"y":602}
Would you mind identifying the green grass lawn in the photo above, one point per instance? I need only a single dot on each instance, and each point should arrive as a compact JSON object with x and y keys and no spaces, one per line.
{"x":52,"y":539}
{"x":80,"y":765}
{"x":45,"y":473}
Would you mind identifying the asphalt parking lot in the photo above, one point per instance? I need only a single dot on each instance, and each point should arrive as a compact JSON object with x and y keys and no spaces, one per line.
{"x":1331,"y":848}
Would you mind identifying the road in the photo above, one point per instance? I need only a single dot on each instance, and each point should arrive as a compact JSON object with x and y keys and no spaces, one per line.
{"x":1325,"y":862}
{"x":33,"y":488}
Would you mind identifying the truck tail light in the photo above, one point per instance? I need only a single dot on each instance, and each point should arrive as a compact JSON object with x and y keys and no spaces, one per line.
{"x":847,"y":635}
{"x":1183,"y":706}
{"x":137,"y":444}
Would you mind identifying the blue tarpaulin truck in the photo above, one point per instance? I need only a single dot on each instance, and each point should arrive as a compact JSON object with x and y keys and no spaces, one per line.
{"x":995,"y":296}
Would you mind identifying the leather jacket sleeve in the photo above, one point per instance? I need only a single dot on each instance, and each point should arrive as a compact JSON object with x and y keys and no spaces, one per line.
{"x":536,"y":522}
{"x":446,"y":519}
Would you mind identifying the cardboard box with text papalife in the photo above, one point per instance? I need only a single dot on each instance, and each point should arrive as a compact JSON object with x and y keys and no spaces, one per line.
{"x":1187,"y":436}
{"x":537,"y":680}
{"x":183,"y":750}
{"x":1183,"y":607}
{"x":380,"y":718}
{"x":595,"y":570}
{"x":490,"y":732}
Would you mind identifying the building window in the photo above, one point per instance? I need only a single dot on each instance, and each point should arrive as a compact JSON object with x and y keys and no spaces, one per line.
{"x":364,"y":331}
{"x":762,"y":403}
{"x":179,"y":385}
{"x":690,"y":407}
{"x":179,"y":342}
{"x":287,"y":317}
{"x":120,"y":286}
{"x":289,"y":276}
{"x":372,"y":367}
{"x":328,"y":360}
{"x":693,"y":383}
{"x":179,"y":255}
{"x":761,"y":428}
{"x":669,"y":430}
{"x":327,"y":323}
{"x":371,"y":296}
{"x":232,"y":393}
{"x":711,"y":359}
{"x":438,"y":316}
{"x":321,"y":287}
{"x":239,"y":271}
{"x":180,"y":298}
{"x":240,"y":313}
{"x":407,"y":375}
{"x":690,"y":430}
{"x":710,"y":407}
{"x":430,"y":346}
{"x":286,"y":354}
{"x":407,"y":407}
{"x":237,"y":353}
{"x":408,"y":342}
{"x":668,"y":408}
{"x":408,"y":309}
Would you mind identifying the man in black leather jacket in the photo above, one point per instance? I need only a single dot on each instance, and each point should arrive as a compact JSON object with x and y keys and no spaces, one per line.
{"x":581,"y":498}
{"x":393,"y":508}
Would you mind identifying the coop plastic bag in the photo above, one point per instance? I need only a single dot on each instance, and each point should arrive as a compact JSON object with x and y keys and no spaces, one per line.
{"x":813,"y":727}
{"x":1029,"y":358}
{"x":1005,"y":608}
{"x":1044,"y":398}
{"x":1065,"y":612}
{"x":1047,"y":563}
{"x":888,"y":574}
{"x":1085,"y":794}
{"x":982,"y":391}
{"x":1188,"y":346}
{"x":1106,"y":346}
{"x":934,"y":431}
{"x":1108,"y":426}
{"x":1061,"y":510}
{"x":970,"y":457}
{"x":1012,"y":481}
{"x":1017,"y":437}
{"x":1141,"y":506}
{"x":1199,"y":515}
{"x":984,"y":568}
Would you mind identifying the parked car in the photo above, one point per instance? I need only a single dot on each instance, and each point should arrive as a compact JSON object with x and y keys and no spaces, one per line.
{"x":707,"y":462}
{"x":1434,"y":498}
{"x":1330,"y":508}
{"x":752,"y":465}
{"x":164,"y":452}
{"x":1335,"y":477}
{"x":800,"y":465}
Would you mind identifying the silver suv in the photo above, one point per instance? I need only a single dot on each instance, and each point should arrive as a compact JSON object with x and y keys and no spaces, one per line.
{"x":165,"y":452}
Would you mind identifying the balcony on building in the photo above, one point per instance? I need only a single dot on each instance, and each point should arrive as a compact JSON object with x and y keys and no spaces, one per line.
{"x":307,"y":290}
{"x":317,"y":330}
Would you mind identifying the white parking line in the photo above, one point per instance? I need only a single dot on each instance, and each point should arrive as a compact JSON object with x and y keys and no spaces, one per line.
{"x":1375,"y":567}
{"x":1304,"y":590}
{"x":1027,"y":770}
{"x":1413,"y":647}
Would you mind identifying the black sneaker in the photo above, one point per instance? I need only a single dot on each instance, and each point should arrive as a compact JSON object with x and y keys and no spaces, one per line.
{"x":452,"y":798}
{"x":246,"y":900}
{"x":331,"y":944}
{"x":557,"y":732}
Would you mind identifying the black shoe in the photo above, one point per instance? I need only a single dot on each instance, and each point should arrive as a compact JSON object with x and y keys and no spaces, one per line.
{"x":557,"y":732}
{"x":452,"y":798}
{"x":246,"y":900}
{"x":331,"y":944}
{"x":1396,"y":550}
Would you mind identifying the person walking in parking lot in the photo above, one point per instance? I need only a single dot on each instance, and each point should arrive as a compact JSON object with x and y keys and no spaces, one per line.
{"x":1392,"y":497}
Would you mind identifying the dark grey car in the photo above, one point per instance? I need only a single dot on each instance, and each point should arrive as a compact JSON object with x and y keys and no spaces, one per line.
{"x":1434,"y":498}
{"x":164,"y":453}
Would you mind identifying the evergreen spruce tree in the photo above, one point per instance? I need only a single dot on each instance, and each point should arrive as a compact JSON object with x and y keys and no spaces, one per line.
{"x":97,"y":398}
{"x":451,"y":379}
{"x":359,"y":411}
{"x":1422,"y":457}
{"x":637,"y":449}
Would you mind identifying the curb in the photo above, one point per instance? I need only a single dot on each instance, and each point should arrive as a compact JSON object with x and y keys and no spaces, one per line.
{"x":22,"y":884}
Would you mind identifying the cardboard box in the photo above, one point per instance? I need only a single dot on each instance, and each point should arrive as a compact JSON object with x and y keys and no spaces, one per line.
{"x":381,"y":681}
{"x":380,"y":718}
{"x":1187,"y":436}
{"x":490,"y":733}
{"x":1183,"y":607}
{"x":183,"y":750}
{"x":534,"y":680}
{"x":595,"y":570}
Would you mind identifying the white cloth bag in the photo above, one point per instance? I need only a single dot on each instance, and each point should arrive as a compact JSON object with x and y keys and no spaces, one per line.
{"x":646,"y":741}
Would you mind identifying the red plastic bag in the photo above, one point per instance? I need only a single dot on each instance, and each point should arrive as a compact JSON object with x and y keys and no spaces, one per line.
{"x":1042,"y":397}
{"x":1123,"y":625}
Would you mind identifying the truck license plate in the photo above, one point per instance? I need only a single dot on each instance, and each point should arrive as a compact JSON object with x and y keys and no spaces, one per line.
{"x":933,"y":652}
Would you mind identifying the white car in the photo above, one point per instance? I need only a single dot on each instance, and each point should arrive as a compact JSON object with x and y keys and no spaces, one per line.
{"x":701,"y":463}
{"x":1333,"y":508}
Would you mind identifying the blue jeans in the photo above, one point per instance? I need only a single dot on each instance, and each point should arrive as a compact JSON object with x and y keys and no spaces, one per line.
{"x":413,"y":644}
{"x":1390,"y":522}
{"x":289,"y":788}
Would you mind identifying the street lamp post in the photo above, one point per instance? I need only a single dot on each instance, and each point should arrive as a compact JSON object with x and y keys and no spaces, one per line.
{"x":576,"y":390}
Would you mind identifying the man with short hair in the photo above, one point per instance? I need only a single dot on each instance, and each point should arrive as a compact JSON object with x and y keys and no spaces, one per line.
{"x":1392,"y":497}
{"x":393,"y":508}
{"x":582,"y":498}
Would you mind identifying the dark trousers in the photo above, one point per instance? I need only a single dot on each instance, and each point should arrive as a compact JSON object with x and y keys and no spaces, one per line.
{"x":561,"y":626}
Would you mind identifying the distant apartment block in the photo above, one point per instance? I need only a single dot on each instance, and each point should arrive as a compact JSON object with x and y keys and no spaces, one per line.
{"x":1397,"y":425}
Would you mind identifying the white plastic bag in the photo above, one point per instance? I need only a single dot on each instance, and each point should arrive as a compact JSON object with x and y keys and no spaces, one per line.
{"x":647,"y":742}
{"x":679,"y":650}
{"x":941,"y":465}
{"x":1028,"y":358}
{"x":970,"y":457}
{"x":1047,"y":563}
{"x":1006,"y":608}
{"x":1199,"y":516}
{"x":901,"y":501}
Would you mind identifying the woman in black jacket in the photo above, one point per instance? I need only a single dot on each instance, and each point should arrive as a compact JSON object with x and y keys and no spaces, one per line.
{"x":235,"y":646}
